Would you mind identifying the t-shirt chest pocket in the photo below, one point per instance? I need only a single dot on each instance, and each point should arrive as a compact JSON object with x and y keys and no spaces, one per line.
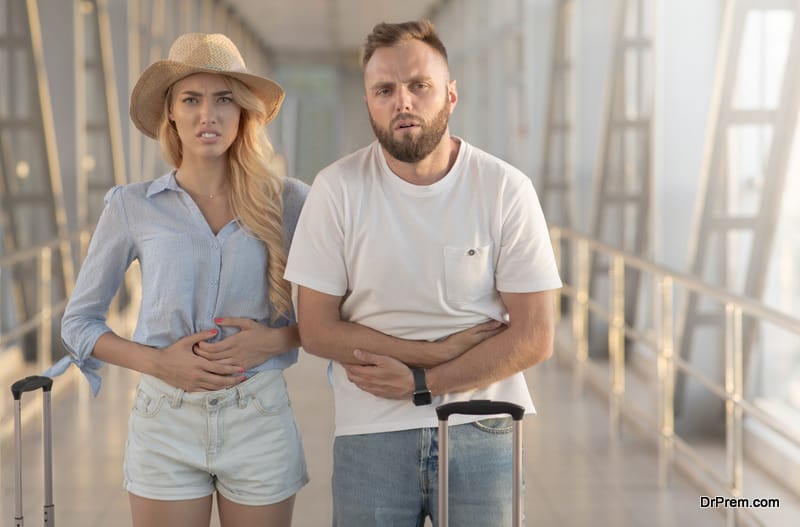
{"x":468,"y":272}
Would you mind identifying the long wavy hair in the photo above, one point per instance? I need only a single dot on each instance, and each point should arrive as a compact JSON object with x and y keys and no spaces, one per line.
{"x":256,"y":196}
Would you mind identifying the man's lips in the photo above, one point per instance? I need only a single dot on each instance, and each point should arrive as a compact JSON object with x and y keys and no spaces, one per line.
{"x":405,"y":125}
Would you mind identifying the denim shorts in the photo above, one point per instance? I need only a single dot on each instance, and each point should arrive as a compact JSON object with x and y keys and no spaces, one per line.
{"x":391,"y":478}
{"x":242,"y":442}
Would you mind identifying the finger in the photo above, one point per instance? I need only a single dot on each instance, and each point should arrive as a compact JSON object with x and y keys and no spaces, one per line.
{"x":200,"y":336}
{"x":367,"y":357}
{"x":202,"y":353}
{"x":222,"y":369}
{"x":355,"y":377}
{"x":216,"y":359}
{"x":355,"y":369}
{"x":212,"y":347}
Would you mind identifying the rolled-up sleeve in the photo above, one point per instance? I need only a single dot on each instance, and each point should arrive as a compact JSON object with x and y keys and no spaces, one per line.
{"x":111,"y":252}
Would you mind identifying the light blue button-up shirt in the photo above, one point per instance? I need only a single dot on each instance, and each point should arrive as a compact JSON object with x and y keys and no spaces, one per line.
{"x":189,"y":275}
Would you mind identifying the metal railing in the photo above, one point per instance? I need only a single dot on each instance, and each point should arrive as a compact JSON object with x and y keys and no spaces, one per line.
{"x":50,"y":300}
{"x":659,"y":339}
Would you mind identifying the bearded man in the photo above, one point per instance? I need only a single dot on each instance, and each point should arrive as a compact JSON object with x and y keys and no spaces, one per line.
{"x":425,"y":274}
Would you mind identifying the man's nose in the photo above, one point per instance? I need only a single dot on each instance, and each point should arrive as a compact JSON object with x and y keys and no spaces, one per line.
{"x":403,"y":99}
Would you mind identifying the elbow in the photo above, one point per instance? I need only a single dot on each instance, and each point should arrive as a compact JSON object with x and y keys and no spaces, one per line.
{"x":311,"y":338}
{"x":544,"y":352}
{"x":540,"y":348}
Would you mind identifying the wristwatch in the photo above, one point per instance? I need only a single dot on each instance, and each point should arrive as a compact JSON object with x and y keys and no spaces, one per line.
{"x":422,"y":395}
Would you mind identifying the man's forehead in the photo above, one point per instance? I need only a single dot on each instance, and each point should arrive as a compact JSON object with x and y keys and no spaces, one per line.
{"x":407,"y":59}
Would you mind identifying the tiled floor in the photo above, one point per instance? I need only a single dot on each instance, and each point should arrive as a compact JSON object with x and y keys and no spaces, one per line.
{"x":576,"y":475}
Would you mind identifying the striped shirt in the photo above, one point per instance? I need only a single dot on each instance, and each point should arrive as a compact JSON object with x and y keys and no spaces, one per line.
{"x":190,"y":276}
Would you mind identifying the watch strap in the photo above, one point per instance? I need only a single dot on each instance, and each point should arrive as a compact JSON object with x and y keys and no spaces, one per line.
{"x":422,"y":395}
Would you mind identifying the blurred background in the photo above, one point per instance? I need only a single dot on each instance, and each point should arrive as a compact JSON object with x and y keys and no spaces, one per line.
{"x":660,"y":136}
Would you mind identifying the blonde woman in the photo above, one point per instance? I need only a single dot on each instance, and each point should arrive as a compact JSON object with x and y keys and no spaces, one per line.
{"x":216,"y":326}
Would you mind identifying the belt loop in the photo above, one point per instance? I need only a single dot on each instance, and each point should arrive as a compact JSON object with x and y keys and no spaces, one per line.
{"x":242,"y":394}
{"x":177,"y":398}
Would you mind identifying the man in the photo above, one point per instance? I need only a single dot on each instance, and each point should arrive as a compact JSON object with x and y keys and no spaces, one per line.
{"x":425,"y":274}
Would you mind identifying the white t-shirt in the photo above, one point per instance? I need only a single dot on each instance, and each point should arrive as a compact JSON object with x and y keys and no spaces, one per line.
{"x":420,"y":263}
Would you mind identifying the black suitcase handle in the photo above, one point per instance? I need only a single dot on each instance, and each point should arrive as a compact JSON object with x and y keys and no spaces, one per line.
{"x":31,"y":384}
{"x":480,"y":407}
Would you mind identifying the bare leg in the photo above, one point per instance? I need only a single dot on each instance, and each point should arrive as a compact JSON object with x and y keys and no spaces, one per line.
{"x":234,"y":515}
{"x":160,"y":513}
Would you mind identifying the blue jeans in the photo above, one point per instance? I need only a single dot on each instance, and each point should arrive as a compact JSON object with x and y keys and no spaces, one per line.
{"x":391,"y":479}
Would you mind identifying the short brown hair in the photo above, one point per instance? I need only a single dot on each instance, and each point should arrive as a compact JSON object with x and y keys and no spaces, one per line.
{"x":386,"y":35}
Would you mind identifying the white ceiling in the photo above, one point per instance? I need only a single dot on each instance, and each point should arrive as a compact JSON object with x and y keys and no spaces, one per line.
{"x":323,"y":28}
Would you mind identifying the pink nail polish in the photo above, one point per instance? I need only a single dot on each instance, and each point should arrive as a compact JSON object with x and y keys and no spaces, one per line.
{"x":217,"y":320}
{"x":214,"y":331}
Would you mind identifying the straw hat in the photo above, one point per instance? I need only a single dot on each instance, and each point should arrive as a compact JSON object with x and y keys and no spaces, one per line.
{"x":195,"y":53}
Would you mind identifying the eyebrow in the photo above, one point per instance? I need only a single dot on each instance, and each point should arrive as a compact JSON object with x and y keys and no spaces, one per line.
{"x":198,"y":94}
{"x":412,"y":80}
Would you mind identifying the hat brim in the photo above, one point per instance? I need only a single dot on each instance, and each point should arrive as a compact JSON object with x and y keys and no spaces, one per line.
{"x":147,"y":97}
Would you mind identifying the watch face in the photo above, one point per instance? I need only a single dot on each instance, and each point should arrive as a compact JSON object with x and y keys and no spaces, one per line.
{"x":422,"y":398}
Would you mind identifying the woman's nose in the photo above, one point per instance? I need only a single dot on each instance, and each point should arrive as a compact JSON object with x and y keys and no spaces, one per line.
{"x":207,"y":113}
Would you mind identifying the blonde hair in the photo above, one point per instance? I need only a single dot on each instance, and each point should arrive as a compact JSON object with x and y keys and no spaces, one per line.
{"x":256,"y":196}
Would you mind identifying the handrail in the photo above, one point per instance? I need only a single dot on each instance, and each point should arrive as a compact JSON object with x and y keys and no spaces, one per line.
{"x":47,"y":307}
{"x":661,"y":339}
{"x":32,"y":252}
{"x":749,"y":306}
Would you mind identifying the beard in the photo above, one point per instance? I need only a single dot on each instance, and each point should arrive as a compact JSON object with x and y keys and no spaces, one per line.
{"x":410,"y":149}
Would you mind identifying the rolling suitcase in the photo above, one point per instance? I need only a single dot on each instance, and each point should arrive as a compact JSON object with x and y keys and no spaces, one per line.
{"x":480,"y":407}
{"x":31,"y":384}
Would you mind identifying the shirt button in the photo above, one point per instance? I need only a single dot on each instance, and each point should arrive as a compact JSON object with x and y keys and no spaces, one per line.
{"x":213,"y":402}
{"x":213,"y":281}
{"x":471,"y":252}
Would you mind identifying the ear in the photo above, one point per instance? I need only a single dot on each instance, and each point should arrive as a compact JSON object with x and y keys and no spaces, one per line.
{"x":452,"y":95}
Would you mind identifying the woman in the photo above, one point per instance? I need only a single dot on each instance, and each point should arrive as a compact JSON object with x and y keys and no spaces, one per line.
{"x":216,"y":327}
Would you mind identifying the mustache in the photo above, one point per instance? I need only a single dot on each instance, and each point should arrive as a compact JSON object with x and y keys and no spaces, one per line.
{"x":406,"y":117}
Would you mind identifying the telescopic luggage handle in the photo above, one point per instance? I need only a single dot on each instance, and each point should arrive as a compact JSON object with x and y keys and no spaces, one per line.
{"x":480,"y":407}
{"x":31,"y":384}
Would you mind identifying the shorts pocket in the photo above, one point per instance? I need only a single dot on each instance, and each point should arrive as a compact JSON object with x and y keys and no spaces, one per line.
{"x":147,"y":405}
{"x":272,"y":399}
{"x":468,"y":273}
{"x":495,"y":425}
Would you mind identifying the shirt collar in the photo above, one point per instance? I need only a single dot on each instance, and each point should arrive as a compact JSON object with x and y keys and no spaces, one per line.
{"x":165,"y":182}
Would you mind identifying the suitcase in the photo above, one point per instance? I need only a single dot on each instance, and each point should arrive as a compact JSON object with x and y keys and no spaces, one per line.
{"x":480,"y":407}
{"x":31,"y":384}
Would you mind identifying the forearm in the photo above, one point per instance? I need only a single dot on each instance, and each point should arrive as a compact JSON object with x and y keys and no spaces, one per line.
{"x":491,"y":361}
{"x":113,"y":349}
{"x":338,"y":339}
{"x":280,"y":340}
{"x":527,"y":341}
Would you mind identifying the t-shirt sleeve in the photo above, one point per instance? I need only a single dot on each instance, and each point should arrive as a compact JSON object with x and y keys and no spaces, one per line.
{"x":316,"y":256}
{"x":526,"y":262}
